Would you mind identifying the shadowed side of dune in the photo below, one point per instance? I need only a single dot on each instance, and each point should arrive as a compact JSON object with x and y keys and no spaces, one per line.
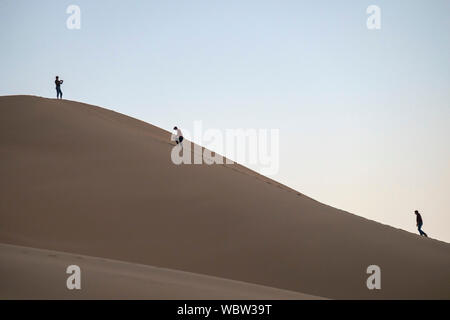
{"x":28,"y":273}
{"x":87,"y":180}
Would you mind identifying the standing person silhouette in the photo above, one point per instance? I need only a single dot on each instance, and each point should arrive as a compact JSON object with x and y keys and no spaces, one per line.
{"x":58,"y":84}
{"x":420,"y":223}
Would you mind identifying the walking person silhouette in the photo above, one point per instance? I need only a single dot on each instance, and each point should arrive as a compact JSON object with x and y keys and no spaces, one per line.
{"x":58,"y":84}
{"x":420,"y":223}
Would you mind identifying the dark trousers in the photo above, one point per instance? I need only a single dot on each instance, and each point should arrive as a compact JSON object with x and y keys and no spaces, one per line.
{"x":58,"y":93}
{"x":419,"y":227}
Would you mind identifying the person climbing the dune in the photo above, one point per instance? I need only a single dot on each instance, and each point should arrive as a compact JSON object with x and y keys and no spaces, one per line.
{"x":179,"y":136}
{"x":58,"y":84}
{"x":420,"y":223}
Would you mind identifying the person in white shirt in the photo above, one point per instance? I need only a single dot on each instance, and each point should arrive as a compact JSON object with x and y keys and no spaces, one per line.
{"x":179,"y":137}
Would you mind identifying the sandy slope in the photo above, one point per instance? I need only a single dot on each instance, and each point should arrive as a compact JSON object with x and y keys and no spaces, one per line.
{"x":28,"y":273}
{"x":87,"y":180}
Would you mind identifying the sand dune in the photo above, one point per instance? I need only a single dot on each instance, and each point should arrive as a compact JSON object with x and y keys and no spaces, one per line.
{"x":90,"y":181}
{"x":28,"y":273}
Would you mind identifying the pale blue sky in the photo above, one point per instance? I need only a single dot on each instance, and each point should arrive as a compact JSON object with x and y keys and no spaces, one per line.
{"x":364,"y":115}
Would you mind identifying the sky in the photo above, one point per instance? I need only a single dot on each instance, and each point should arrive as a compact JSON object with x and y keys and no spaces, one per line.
{"x":363,"y":115}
